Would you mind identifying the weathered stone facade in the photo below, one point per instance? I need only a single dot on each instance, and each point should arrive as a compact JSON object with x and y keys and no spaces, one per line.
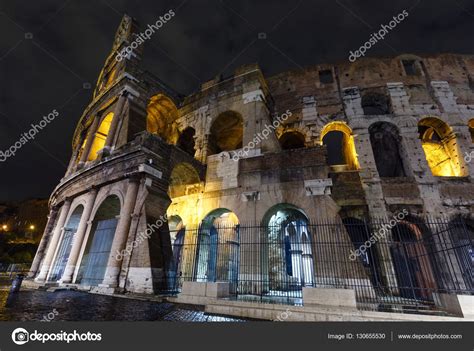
{"x":402,"y":127}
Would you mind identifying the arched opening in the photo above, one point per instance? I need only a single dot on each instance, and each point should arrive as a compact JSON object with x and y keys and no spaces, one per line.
{"x":177,"y":235}
{"x":290,"y":264}
{"x":184,"y":180}
{"x":161,"y":118}
{"x":97,"y":251}
{"x":218,"y":248}
{"x":292,"y":140}
{"x":374,"y":103}
{"x":186,"y":141}
{"x":100,"y":136}
{"x":359,"y":234}
{"x":411,"y":252}
{"x":471,"y":129}
{"x":65,"y":246}
{"x":339,"y":141}
{"x":226,"y":133}
{"x":441,"y":149}
{"x":386,"y":146}
{"x":461,"y":240}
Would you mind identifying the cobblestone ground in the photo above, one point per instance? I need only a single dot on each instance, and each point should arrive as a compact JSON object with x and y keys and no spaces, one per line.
{"x":79,"y":306}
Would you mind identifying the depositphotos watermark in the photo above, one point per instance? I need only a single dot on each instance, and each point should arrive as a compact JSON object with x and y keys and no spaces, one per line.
{"x":140,"y":39}
{"x":283,"y":316}
{"x":469,"y":156}
{"x":379,"y":35}
{"x":381,"y":233}
{"x":141,"y":237}
{"x":21,"y":336}
{"x":30,"y":135}
{"x":50,"y":316}
{"x":263,"y":135}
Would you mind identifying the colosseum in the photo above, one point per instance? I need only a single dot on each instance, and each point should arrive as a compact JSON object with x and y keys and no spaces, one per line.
{"x":352,"y":177}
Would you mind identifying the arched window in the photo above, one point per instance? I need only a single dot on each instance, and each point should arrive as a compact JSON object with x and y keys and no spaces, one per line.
{"x":64,"y":249}
{"x":386,"y":146}
{"x":177,"y":264}
{"x":186,"y":141}
{"x":100,"y":136}
{"x":161,"y":118}
{"x":375,"y":104}
{"x":441,"y":149}
{"x":411,"y":255}
{"x":97,"y":252}
{"x":292,"y":140}
{"x":226,"y":133}
{"x":289,"y":253}
{"x":339,"y":141}
{"x":184,"y":180}
{"x":218,"y":248}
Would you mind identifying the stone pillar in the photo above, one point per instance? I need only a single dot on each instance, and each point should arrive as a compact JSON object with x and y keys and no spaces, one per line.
{"x":90,"y":139}
{"x":115,"y":122}
{"x":79,"y":237}
{"x":43,"y":243}
{"x":121,"y":234}
{"x":54,"y":241}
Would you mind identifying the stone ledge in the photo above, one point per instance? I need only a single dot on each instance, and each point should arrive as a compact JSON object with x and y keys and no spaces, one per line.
{"x":329,"y":297}
{"x":458,"y":305}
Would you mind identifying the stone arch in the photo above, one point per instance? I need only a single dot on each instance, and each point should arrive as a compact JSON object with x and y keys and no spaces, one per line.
{"x":292,"y":140}
{"x":97,"y":251}
{"x":412,"y":261}
{"x":289,"y":262}
{"x":339,"y":140}
{"x":226,"y":132}
{"x":64,"y":247}
{"x":471,"y":129}
{"x":441,"y":149}
{"x":375,"y":103}
{"x":387,"y":149}
{"x":217,"y":252}
{"x":100,"y":136}
{"x":179,"y":258}
{"x":186,"y":141}
{"x":161,"y":118}
{"x":184,"y":180}
{"x":103,"y":195}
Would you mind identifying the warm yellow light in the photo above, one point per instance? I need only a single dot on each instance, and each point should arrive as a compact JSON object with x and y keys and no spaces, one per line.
{"x":32,"y":227}
{"x":100,"y":137}
{"x":348,"y":144}
{"x":4,"y":227}
{"x":439,"y":161}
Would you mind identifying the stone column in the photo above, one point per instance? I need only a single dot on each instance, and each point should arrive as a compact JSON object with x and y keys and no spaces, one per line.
{"x":79,"y":237}
{"x":115,"y":122}
{"x":54,"y":241}
{"x":43,"y":243}
{"x":121,"y":234}
{"x":90,"y":139}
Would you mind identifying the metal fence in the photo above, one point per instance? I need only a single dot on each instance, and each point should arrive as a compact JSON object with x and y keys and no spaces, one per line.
{"x":393,"y":265}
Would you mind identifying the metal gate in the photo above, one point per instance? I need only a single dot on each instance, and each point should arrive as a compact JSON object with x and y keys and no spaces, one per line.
{"x":95,"y":261}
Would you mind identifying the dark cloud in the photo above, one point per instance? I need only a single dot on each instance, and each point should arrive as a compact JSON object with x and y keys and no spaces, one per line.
{"x":71,"y":40}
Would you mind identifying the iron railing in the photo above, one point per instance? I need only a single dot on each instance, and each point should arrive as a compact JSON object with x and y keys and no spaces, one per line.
{"x":392,"y":265}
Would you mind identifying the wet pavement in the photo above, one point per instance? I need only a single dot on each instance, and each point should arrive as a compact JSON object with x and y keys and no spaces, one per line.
{"x":67,"y":305}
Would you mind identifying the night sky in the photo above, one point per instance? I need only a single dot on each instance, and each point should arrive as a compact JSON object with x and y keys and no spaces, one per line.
{"x":49,"y":49}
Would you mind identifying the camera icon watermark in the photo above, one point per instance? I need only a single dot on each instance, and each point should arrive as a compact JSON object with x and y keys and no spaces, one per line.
{"x":20,"y":336}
